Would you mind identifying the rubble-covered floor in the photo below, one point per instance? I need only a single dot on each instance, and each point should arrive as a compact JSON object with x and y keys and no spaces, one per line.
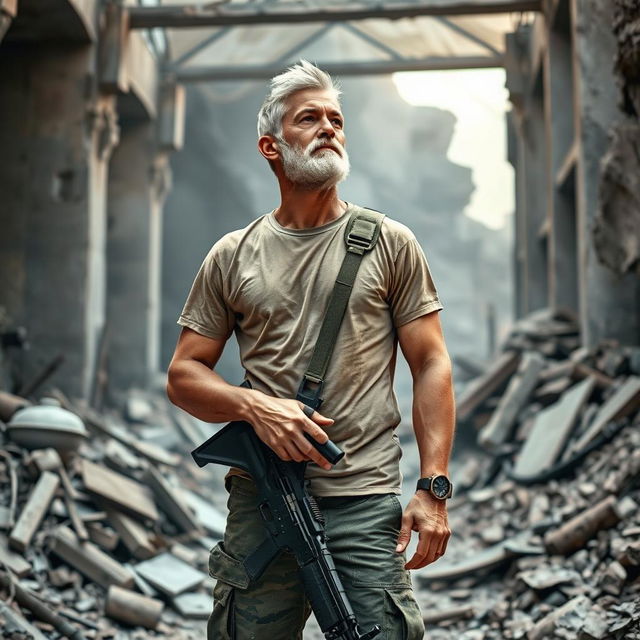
{"x":546,"y":543}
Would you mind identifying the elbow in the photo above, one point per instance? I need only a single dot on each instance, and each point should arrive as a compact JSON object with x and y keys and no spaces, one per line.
{"x":173,"y":384}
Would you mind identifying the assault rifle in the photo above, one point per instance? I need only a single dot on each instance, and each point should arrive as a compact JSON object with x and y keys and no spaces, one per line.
{"x":292,"y":520}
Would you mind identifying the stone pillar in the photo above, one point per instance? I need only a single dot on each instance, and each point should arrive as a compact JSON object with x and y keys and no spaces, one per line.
{"x":56,"y":134}
{"x":610,"y":303}
{"x":536,"y":232}
{"x":138,"y":182}
{"x":528,"y":152}
{"x":558,"y":75}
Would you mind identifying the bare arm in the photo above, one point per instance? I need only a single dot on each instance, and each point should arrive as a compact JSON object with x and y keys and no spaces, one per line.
{"x":196,"y":388}
{"x":422,"y":344}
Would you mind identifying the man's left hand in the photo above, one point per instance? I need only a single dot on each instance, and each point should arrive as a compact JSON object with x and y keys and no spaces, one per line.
{"x":428,"y":516}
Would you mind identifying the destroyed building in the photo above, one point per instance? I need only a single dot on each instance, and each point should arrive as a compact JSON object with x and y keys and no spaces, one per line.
{"x":100,"y":504}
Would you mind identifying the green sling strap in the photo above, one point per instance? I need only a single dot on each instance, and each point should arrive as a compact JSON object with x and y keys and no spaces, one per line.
{"x":361,"y":234}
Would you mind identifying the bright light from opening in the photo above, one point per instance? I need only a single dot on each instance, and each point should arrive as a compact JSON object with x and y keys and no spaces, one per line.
{"x":479,"y":100}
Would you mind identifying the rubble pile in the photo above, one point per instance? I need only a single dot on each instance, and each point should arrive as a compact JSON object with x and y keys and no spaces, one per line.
{"x":106,"y":522}
{"x":546,"y":520}
{"x":105,"y":526}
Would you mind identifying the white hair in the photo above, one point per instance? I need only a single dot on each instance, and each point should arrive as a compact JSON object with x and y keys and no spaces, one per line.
{"x":302,"y":75}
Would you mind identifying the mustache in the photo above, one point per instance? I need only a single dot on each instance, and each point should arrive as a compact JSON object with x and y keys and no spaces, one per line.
{"x":317,"y":144}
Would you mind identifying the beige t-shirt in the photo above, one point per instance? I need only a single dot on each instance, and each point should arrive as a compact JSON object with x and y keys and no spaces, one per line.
{"x":271,"y":285}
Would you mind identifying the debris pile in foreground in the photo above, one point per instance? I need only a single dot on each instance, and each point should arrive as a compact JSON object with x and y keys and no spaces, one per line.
{"x":546,"y":521}
{"x":104,"y":530}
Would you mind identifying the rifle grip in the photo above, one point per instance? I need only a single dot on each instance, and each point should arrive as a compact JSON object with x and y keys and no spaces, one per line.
{"x":329,"y":450}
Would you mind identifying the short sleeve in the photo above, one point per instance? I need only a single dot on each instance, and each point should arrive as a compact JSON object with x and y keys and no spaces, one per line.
{"x":205,"y":310}
{"x":412,"y":293}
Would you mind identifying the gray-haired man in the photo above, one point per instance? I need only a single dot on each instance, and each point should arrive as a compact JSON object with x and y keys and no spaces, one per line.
{"x":270,"y":283}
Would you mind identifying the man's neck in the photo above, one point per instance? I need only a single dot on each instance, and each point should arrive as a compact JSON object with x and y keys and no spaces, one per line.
{"x":306,"y":209}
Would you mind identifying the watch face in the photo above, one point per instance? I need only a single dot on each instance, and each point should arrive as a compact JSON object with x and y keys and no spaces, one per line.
{"x":440,"y":486}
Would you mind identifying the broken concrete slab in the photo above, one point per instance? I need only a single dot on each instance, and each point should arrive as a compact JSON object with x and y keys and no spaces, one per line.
{"x":34,"y":511}
{"x":512,"y":400}
{"x":478,"y":390}
{"x":89,"y":560}
{"x":169,"y":574}
{"x":551,"y":431}
{"x":12,"y":560}
{"x":209,"y":517}
{"x":119,"y":491}
{"x":193,"y":605}
{"x":170,"y":502}
{"x":625,"y":400}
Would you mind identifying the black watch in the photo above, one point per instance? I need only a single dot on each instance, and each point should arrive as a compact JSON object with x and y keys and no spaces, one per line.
{"x":439,"y":487}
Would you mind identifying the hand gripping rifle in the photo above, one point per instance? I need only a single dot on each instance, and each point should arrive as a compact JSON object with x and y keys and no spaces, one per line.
{"x":292,"y":520}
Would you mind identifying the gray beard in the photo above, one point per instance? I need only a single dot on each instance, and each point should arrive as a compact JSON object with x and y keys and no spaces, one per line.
{"x":313,"y":172}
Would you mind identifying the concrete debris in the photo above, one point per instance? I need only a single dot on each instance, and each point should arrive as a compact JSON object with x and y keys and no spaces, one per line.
{"x":89,"y":532}
{"x":562,"y":488}
{"x":545,"y":517}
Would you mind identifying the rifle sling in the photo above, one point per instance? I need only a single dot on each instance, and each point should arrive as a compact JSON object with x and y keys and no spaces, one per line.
{"x":361,"y":235}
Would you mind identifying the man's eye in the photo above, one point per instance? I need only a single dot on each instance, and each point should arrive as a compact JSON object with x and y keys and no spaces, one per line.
{"x":307,"y":118}
{"x":337,"y":121}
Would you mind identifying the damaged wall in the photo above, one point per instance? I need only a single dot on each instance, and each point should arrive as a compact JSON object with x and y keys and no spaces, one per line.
{"x":589,"y":228}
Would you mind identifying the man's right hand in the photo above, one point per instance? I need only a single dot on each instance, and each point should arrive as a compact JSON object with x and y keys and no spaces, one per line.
{"x":281,"y":425}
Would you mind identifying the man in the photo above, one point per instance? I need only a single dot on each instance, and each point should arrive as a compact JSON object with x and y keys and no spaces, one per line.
{"x":270,"y":283}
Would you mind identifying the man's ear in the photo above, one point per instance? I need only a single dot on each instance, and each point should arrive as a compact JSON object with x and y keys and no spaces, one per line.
{"x":268,"y":146}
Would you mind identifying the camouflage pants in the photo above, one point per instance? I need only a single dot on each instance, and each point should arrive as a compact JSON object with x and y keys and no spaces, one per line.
{"x":361,"y":535}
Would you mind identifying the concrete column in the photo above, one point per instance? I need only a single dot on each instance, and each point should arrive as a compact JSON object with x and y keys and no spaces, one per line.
{"x":138,"y":182}
{"x":535,"y":175}
{"x":56,"y":133}
{"x":558,"y":65}
{"x":610,"y":304}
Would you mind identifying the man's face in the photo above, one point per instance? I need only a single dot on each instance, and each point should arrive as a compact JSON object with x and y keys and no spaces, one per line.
{"x":312,"y":142}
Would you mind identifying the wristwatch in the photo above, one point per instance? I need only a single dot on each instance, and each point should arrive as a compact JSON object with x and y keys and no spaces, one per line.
{"x":439,"y":487}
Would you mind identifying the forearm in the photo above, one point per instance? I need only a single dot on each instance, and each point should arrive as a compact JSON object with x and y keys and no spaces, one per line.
{"x":203,"y":393}
{"x":434,"y":415}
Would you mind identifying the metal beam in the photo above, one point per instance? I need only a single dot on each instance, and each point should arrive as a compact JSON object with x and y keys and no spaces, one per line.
{"x":184,"y":16}
{"x":470,"y":36}
{"x":374,"y":42}
{"x":378,"y":67}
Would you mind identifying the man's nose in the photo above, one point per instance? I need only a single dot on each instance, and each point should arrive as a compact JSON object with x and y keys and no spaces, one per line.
{"x":326,"y":128}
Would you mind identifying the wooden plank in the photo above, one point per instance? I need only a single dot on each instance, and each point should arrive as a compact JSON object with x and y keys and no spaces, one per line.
{"x":625,"y":400}
{"x":170,"y":502}
{"x":184,"y":16}
{"x":499,"y":428}
{"x":133,"y":608}
{"x":479,"y":562}
{"x":133,"y":535}
{"x":478,"y":390}
{"x":551,"y":430}
{"x":14,"y":619}
{"x":33,"y":512}
{"x":89,"y":560}
{"x":118,"y":491}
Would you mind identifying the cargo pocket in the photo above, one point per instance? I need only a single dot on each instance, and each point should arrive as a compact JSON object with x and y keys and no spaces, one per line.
{"x":403,"y":620}
{"x":224,"y":567}
{"x":222,"y":621}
